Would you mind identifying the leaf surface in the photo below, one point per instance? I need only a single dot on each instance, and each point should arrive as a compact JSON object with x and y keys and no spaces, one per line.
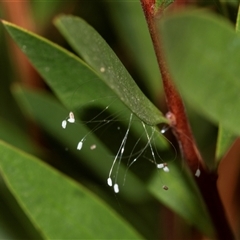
{"x":224,"y":142}
{"x":182,"y":196}
{"x":139,"y":46}
{"x":49,"y":114}
{"x":57,"y":206}
{"x":96,"y":52}
{"x":205,"y":68}
{"x":182,"y":193}
{"x":16,"y":137}
{"x":66,"y":73}
{"x":226,"y":137}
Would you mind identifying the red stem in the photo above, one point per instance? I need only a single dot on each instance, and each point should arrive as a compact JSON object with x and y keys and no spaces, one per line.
{"x":207,"y":182}
{"x":180,"y":125}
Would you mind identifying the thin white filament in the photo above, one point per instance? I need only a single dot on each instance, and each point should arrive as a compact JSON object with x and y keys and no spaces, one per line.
{"x":139,"y":154}
{"x":120,"y":152}
{"x":152,"y":152}
{"x":99,"y":125}
{"x":80,"y":144}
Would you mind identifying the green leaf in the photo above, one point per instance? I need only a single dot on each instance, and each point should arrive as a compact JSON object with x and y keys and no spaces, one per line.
{"x":182,"y":196}
{"x":163,"y":3}
{"x":139,"y":46}
{"x":9,"y":226}
{"x":58,"y":207}
{"x":66,"y":73}
{"x":96,"y":52}
{"x":16,"y":136}
{"x":43,"y":11}
{"x":14,"y":224}
{"x":225,"y":137}
{"x":203,"y":52}
{"x":224,"y":142}
{"x":49,"y":114}
{"x":238,"y":21}
{"x":182,"y":193}
{"x":9,"y":109}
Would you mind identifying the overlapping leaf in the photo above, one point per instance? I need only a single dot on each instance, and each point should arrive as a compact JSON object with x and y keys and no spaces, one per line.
{"x":66,"y":73}
{"x":203,"y":53}
{"x":95,"y":51}
{"x":57,"y":206}
{"x":226,"y":137}
{"x":182,"y":192}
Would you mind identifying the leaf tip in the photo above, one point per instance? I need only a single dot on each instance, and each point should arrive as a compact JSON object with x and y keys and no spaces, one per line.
{"x":4,"y":22}
{"x":57,"y":20}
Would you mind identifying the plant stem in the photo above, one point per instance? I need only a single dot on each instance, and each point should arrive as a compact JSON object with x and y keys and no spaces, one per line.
{"x":207,"y":182}
{"x":180,"y":125}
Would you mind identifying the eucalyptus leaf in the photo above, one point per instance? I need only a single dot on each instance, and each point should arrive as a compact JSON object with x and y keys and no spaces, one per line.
{"x":96,"y":52}
{"x":14,"y":224}
{"x":134,"y":35}
{"x":182,"y":196}
{"x":75,"y":84}
{"x":203,"y":52}
{"x":9,"y":226}
{"x":16,"y":137}
{"x":182,"y":193}
{"x":48,"y":113}
{"x":66,"y":73}
{"x":58,"y":207}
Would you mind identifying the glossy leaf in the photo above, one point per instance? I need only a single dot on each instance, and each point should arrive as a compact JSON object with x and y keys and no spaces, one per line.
{"x":134,"y":36}
{"x":182,"y":193}
{"x":182,"y":196}
{"x":203,"y":52}
{"x":16,"y":137}
{"x":66,"y":73}
{"x":96,"y":52}
{"x":49,"y":114}
{"x":57,"y":206}
{"x":91,"y":90}
{"x":14,"y":223}
{"x":76,"y":85}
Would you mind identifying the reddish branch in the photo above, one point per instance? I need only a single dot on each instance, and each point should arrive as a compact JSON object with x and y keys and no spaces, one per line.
{"x":175,"y":105}
{"x":19,"y":13}
{"x":181,"y":129}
